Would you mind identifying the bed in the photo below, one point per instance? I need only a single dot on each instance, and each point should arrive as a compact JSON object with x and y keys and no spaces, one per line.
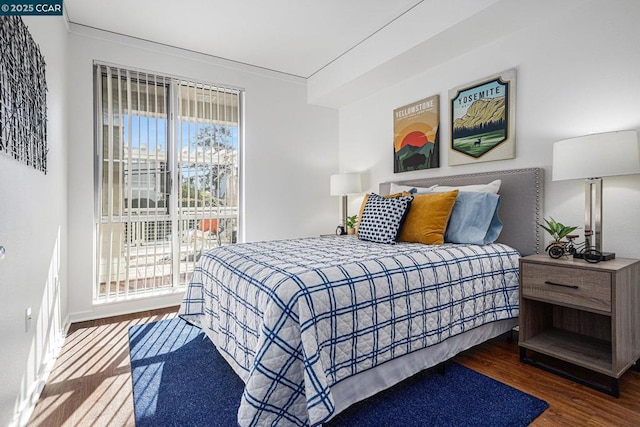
{"x":314,"y":325}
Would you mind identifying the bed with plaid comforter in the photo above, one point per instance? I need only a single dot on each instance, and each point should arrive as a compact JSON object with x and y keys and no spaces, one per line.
{"x":294,"y":317}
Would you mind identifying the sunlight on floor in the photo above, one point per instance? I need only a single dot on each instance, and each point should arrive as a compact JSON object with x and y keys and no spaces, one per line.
{"x":90,"y":384}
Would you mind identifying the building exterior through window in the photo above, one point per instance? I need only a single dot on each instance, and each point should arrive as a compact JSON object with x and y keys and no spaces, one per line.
{"x":167,"y":178}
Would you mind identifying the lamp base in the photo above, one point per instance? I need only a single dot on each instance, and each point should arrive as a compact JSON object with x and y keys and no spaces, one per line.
{"x":606,"y":256}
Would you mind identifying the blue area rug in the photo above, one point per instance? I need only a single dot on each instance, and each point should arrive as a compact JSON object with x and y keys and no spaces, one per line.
{"x":180,"y":379}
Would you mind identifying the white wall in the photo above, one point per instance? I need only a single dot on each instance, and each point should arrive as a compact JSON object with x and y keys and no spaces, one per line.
{"x":577,"y":74}
{"x":33,"y":227}
{"x":290,"y":151}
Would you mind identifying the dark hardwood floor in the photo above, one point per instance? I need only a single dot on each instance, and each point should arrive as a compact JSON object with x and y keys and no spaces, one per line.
{"x":90,"y":384}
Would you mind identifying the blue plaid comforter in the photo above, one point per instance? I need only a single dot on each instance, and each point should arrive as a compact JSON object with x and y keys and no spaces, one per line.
{"x":294,"y":317}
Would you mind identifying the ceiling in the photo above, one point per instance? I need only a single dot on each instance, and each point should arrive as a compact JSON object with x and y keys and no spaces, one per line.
{"x":297,"y":37}
{"x":345,"y":48}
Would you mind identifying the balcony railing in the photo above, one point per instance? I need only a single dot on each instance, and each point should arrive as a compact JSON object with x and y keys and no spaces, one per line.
{"x":136,"y":258}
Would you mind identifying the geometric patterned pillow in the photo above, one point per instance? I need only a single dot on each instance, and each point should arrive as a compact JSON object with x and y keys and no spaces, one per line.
{"x":382,"y":218}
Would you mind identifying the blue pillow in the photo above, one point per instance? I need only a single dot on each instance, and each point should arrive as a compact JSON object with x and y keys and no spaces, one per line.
{"x":474,"y":219}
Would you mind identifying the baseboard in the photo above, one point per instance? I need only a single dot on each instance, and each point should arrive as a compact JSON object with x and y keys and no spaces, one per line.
{"x":25,"y":409}
{"x":104,"y":310}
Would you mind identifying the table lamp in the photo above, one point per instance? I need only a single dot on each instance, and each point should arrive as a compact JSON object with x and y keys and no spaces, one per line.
{"x":592,"y":157}
{"x":343,"y":184}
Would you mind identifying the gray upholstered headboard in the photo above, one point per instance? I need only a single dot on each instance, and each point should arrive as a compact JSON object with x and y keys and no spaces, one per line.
{"x":520,"y":202}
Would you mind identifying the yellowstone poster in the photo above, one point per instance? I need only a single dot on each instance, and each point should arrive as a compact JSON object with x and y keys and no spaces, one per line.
{"x":483,"y":120}
{"x":415,"y":139}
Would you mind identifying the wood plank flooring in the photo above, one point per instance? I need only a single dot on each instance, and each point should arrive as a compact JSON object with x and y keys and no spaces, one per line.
{"x":90,"y":384}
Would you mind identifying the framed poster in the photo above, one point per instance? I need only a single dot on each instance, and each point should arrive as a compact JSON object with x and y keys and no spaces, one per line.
{"x":415,"y":135}
{"x":483,"y":116}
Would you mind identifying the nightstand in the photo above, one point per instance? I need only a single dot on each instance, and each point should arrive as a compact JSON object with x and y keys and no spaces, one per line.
{"x":581,"y":313}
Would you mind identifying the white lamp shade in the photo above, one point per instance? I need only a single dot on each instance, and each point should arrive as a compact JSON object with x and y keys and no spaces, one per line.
{"x":345,"y":183}
{"x":597,"y":155}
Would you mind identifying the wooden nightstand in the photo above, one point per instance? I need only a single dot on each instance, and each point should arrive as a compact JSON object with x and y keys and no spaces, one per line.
{"x":581,"y":313}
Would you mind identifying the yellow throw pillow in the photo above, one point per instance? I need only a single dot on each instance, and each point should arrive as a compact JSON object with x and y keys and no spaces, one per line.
{"x":426,"y":221}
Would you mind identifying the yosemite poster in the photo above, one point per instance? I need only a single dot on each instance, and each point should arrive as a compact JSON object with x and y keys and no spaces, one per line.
{"x":483,"y":120}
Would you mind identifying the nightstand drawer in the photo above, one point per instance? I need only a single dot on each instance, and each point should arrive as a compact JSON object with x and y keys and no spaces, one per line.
{"x":584,"y":289}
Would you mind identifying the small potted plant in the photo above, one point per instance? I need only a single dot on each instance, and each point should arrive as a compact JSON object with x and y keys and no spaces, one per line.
{"x":351,"y":224}
{"x":558,"y":231}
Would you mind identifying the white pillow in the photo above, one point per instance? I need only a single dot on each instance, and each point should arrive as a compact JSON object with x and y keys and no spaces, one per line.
{"x":395,"y":188}
{"x":491,"y":187}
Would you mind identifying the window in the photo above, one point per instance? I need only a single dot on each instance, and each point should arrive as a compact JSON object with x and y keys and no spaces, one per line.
{"x":167,"y":178}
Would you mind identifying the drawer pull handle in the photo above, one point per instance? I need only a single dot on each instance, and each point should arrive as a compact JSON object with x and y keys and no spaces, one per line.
{"x":561,"y":284}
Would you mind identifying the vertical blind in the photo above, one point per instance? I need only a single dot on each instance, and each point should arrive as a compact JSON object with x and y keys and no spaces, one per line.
{"x":167,"y":175}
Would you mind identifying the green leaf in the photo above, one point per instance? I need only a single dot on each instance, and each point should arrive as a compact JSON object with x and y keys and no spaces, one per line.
{"x":556,"y":229}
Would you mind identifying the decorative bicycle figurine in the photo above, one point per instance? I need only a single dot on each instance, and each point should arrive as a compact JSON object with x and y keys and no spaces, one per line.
{"x":582,"y":250}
